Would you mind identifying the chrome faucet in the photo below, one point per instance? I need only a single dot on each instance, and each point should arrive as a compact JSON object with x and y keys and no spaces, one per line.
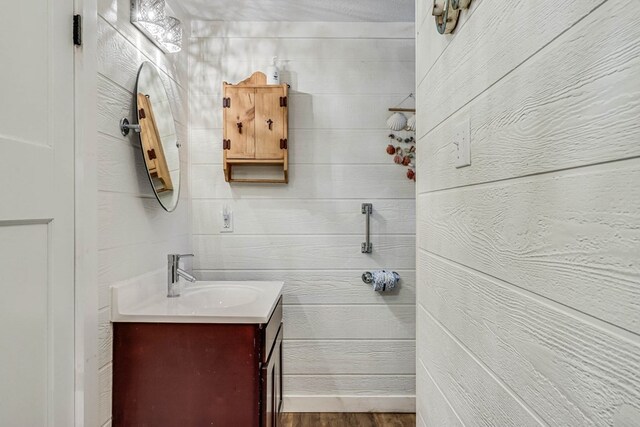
{"x":175,"y":273}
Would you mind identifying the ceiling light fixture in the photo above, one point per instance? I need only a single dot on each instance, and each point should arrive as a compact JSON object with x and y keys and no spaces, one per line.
{"x":172,"y":37}
{"x":150,"y":17}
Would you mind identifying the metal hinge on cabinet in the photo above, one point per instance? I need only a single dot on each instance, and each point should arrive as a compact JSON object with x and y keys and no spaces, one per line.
{"x":283,"y":144}
{"x":77,"y":30}
{"x":283,"y":101}
{"x":226,"y":144}
{"x":142,"y":114}
{"x":226,"y":102}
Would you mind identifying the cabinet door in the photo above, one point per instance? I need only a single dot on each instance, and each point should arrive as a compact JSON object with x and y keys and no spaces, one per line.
{"x":272,"y":386}
{"x":278,"y":387}
{"x":239,"y":121}
{"x":270,"y":123}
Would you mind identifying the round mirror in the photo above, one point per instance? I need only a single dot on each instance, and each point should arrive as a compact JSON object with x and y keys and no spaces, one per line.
{"x":158,"y":137}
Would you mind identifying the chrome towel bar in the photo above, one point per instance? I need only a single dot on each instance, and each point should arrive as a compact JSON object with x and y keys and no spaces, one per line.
{"x":367,"y":246}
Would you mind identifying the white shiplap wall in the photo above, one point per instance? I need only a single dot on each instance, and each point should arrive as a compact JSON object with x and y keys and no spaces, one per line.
{"x":346,"y":348}
{"x":528,"y":278}
{"x":135,"y":234}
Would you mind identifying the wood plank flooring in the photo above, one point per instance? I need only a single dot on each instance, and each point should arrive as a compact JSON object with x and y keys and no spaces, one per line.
{"x":327,"y":419}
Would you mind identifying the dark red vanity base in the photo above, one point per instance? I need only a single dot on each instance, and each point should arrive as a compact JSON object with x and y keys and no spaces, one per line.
{"x":196,"y":375}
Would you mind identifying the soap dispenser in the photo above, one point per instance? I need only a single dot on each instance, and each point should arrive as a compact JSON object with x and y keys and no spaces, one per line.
{"x":273,"y":74}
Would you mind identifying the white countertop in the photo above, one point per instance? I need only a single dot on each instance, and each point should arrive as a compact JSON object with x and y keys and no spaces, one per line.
{"x":145,"y":300}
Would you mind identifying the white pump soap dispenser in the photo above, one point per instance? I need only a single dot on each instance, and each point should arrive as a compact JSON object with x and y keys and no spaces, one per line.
{"x":273,"y":74}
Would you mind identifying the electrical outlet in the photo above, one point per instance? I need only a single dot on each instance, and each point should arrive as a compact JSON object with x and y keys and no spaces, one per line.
{"x":462,"y":141}
{"x":226,"y":225}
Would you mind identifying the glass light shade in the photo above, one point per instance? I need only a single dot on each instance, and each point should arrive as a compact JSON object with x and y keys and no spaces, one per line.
{"x":172,"y":36}
{"x":151,"y":14}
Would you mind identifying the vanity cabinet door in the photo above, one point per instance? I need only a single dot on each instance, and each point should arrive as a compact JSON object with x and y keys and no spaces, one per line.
{"x":278,"y":389}
{"x":239,"y":122}
{"x":272,"y":386}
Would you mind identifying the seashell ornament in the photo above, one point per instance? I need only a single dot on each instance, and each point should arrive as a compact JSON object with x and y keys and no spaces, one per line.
{"x":411,"y":123}
{"x":397,"y":121}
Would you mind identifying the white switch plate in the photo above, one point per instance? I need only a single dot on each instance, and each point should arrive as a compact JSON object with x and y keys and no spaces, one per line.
{"x":226,"y":225}
{"x":462,"y":140}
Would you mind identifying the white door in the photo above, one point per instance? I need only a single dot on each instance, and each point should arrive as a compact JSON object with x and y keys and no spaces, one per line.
{"x":36,"y":213}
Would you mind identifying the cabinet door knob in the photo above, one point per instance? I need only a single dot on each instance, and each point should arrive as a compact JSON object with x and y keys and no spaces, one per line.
{"x":270,"y":123}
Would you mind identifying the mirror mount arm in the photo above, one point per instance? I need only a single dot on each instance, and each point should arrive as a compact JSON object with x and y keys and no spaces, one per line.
{"x":125,"y":127}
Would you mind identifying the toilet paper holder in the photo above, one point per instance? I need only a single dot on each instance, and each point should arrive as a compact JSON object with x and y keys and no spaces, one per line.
{"x":367,"y":277}
{"x":382,"y":280}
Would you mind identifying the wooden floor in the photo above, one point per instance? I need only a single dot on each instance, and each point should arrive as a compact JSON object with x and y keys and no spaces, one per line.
{"x":327,"y":419}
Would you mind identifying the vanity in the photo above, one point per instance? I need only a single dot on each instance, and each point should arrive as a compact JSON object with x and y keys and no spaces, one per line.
{"x":210,"y":357}
{"x":210,"y":353}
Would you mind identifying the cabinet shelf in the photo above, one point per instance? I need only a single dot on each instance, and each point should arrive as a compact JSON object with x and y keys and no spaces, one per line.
{"x":255,"y":127}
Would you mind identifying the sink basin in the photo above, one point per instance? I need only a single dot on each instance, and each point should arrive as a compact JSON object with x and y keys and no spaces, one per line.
{"x":145,"y":300}
{"x":219,"y":296}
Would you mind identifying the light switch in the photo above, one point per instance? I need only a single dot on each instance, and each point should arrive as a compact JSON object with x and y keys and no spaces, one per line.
{"x":227,"y":220}
{"x":462,"y":141}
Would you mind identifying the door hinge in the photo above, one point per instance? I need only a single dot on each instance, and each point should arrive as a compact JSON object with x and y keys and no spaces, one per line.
{"x":77,"y":30}
{"x":283,"y":101}
{"x":152,"y":154}
{"x":142,"y":114}
{"x":226,"y":144}
{"x":284,"y":144}
{"x":226,"y":102}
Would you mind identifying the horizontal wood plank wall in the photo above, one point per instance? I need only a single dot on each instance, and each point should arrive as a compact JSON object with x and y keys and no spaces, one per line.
{"x":135,"y":234}
{"x":346,"y":348}
{"x":528,"y":276}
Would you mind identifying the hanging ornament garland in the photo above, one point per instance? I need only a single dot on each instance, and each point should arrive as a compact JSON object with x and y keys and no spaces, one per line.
{"x":403,"y":155}
{"x":403,"y":151}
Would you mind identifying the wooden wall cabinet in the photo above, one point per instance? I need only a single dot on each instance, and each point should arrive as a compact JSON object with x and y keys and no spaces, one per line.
{"x":151,"y":141}
{"x":195,"y":375}
{"x":255,"y":126}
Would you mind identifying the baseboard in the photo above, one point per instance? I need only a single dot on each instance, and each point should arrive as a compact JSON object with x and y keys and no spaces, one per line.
{"x":350,"y":404}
